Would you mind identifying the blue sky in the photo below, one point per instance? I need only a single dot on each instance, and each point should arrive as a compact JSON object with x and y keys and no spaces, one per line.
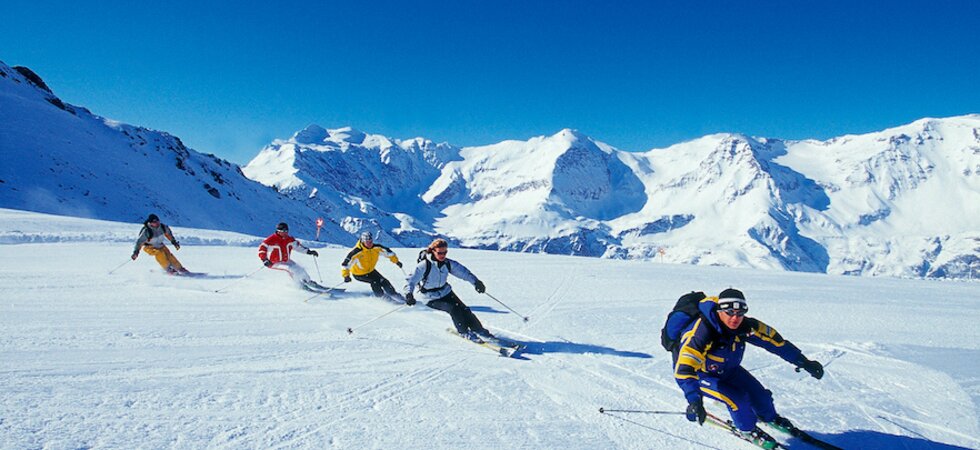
{"x":228,"y":77}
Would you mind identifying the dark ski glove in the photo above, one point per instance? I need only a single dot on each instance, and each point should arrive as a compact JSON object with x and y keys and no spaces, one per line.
{"x":399,"y":264}
{"x":267,"y":263}
{"x":177,"y":245}
{"x":480,"y":287}
{"x":410,"y":299}
{"x":814,"y":368}
{"x":696,"y":412}
{"x":312,"y":252}
{"x":347,"y":279}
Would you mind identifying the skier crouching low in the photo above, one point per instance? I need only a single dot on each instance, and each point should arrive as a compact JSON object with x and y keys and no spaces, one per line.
{"x":708,"y":363}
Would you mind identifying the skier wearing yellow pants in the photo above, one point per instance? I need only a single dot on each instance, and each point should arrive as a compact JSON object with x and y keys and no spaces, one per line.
{"x":151,"y":240}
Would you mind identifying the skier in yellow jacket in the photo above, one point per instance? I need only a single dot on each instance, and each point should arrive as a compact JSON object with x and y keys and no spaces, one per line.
{"x":151,"y":240}
{"x":360,"y":263}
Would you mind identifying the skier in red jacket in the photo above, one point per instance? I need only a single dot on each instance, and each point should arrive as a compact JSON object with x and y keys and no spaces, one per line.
{"x":274,"y":253}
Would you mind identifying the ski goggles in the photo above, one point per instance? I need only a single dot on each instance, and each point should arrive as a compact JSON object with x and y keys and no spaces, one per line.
{"x":733,"y":308}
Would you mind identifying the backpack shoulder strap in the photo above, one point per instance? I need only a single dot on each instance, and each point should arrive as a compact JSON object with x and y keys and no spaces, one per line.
{"x":428,"y":268}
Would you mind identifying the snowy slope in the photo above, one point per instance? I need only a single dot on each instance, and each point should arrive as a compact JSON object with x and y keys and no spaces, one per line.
{"x":62,"y":159}
{"x":138,"y":359}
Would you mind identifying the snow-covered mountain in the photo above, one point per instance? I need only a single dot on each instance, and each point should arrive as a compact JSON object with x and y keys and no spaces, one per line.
{"x":62,"y":159}
{"x":367,"y":181}
{"x":900,"y":202}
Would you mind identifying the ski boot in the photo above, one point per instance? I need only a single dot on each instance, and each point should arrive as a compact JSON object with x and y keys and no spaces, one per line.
{"x":758,"y":437}
{"x":782,"y":424}
{"x":471,"y":335}
{"x":485,"y":335}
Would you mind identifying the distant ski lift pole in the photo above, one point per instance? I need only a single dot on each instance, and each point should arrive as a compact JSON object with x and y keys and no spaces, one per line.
{"x":661,"y":251}
{"x":319,"y":224}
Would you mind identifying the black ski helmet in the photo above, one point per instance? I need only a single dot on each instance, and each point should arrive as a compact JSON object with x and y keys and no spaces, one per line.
{"x":152,"y":218}
{"x":283,"y":226}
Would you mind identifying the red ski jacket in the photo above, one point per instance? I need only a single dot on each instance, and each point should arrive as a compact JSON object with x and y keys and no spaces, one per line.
{"x":277,"y":248}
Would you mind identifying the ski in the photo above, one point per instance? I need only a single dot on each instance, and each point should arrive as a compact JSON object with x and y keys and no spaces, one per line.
{"x":317,"y":288}
{"x":804,"y":436}
{"x":185,"y":273}
{"x":499,"y":346}
{"x":190,"y":274}
{"x":728,"y":426}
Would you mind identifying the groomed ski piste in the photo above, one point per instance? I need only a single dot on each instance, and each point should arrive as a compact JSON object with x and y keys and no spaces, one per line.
{"x":140,"y":359}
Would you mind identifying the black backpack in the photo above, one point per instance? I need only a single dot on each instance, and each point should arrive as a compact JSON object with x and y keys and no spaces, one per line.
{"x":684,"y":312}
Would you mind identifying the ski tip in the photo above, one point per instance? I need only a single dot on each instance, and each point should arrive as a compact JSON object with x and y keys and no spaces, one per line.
{"x":602,"y":410}
{"x":350,"y":331}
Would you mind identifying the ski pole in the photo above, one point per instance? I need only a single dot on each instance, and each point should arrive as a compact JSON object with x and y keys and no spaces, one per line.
{"x":119,"y":266}
{"x":508,"y":307}
{"x":351,"y":330}
{"x":317,"y":269}
{"x":327,"y":291}
{"x":240,"y":279}
{"x":640,"y":411}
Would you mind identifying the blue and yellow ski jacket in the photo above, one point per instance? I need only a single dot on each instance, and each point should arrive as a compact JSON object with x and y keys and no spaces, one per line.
{"x":709,"y":348}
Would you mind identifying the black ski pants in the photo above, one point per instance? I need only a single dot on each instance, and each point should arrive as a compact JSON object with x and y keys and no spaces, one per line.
{"x":379,"y":284}
{"x":463,"y":318}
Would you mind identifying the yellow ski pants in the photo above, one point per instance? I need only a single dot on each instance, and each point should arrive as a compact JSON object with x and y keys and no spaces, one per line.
{"x":163,"y":256}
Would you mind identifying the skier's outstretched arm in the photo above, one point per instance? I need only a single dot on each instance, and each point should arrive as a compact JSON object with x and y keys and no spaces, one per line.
{"x":769,"y":339}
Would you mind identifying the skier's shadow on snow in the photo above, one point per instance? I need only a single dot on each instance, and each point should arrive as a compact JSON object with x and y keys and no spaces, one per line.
{"x":872,"y":440}
{"x":540,"y":348}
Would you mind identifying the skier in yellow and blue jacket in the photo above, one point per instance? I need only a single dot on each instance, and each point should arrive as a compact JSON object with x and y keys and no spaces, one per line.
{"x":360,"y":263}
{"x":708,"y":363}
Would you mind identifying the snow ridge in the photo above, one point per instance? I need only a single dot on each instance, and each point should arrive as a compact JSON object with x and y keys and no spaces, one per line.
{"x":899,"y":202}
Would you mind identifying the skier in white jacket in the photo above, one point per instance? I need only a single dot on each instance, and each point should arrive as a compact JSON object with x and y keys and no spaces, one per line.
{"x":431,"y":277}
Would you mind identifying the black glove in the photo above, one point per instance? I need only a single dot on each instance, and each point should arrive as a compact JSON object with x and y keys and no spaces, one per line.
{"x":480,"y":288}
{"x":135,"y":254}
{"x":347,"y":279}
{"x":410,"y":299}
{"x":399,"y":264}
{"x":696,"y":412}
{"x":267,"y":263}
{"x":177,"y":245}
{"x":814,"y":368}
{"x":312,"y":252}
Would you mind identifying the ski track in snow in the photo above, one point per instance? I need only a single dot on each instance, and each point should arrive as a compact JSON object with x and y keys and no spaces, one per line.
{"x":138,"y":359}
